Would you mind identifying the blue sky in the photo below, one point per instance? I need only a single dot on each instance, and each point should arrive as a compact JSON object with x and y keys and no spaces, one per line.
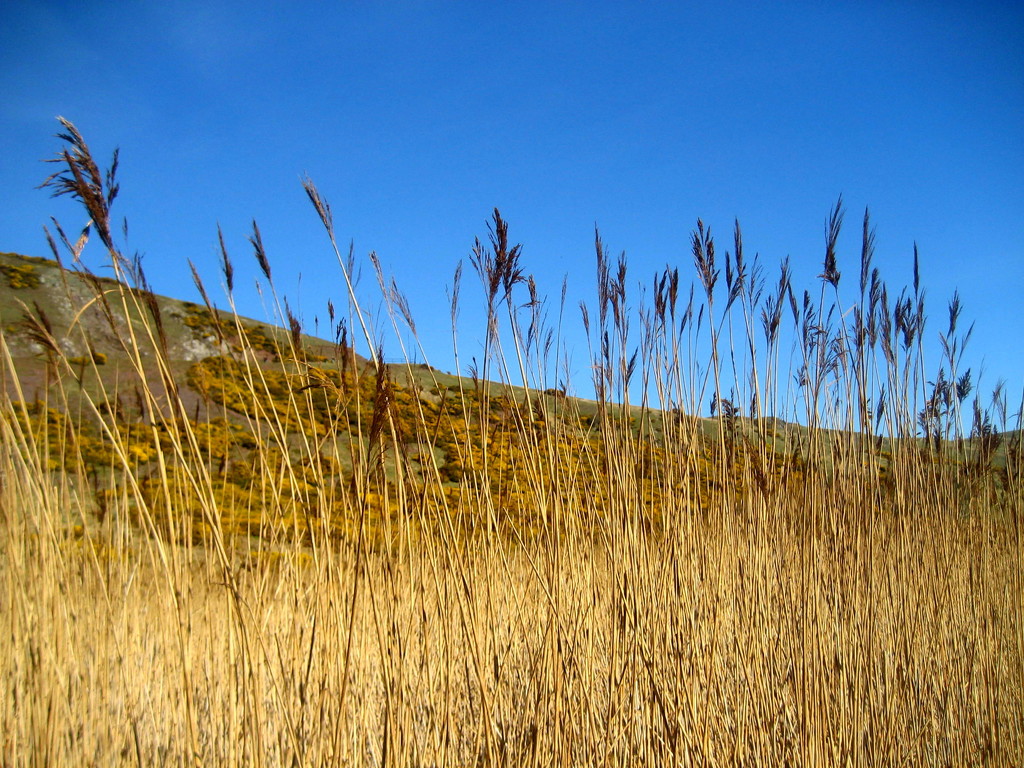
{"x":417,"y":119}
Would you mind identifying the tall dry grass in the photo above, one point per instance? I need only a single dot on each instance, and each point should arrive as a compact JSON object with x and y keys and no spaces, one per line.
{"x":736,"y":592}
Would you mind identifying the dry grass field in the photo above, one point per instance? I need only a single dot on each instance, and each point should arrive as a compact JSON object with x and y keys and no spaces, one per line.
{"x":285,"y":558}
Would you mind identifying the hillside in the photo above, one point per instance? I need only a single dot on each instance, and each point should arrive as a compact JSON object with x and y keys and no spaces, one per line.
{"x":94,"y":363}
{"x":108,"y":376}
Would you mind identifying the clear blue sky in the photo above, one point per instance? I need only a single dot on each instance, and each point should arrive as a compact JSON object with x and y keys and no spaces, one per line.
{"x":416,"y":119}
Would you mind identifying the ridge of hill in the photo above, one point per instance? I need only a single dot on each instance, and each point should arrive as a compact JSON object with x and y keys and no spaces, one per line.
{"x":65,"y":300}
{"x":35,"y":289}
